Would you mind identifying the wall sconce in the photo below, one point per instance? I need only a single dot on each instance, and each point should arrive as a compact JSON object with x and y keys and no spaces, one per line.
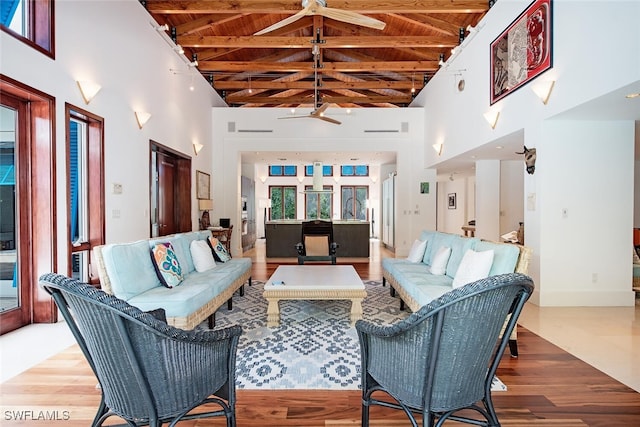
{"x":543,"y":90}
{"x":142,"y":118}
{"x":492,"y":118}
{"x":438,"y":148}
{"x":263,"y":179}
{"x":197,"y":147}
{"x":88,"y":90}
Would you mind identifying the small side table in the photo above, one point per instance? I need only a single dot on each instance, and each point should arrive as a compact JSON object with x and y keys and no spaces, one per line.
{"x":469,"y":230}
{"x":223,"y":235}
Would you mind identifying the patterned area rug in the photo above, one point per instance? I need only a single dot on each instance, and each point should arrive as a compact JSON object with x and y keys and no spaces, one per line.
{"x":315,"y":347}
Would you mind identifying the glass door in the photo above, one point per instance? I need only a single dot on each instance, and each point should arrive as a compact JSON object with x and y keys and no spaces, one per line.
{"x":9,"y":284}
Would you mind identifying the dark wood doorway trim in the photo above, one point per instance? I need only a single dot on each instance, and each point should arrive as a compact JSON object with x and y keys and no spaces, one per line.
{"x":36,"y":201}
{"x":181,"y":183}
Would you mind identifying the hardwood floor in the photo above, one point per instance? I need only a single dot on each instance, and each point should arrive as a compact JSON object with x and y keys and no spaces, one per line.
{"x":546,"y":387}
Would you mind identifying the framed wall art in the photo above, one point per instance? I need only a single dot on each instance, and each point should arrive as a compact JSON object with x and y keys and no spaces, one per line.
{"x":424,"y":188}
{"x":521,"y":52}
{"x":203,"y":185}
{"x":451,"y":204}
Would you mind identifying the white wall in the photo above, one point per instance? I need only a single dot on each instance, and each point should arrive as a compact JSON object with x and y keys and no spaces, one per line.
{"x":511,"y":195}
{"x":113,"y":44}
{"x":578,"y":80}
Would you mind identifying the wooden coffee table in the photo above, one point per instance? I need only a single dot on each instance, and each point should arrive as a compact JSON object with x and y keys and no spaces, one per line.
{"x":313,"y":282}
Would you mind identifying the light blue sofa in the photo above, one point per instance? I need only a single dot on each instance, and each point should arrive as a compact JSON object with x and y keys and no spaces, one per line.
{"x":127,"y":271}
{"x":416,"y":286}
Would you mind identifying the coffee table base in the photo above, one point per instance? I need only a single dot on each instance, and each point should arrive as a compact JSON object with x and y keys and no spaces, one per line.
{"x":273,"y":298}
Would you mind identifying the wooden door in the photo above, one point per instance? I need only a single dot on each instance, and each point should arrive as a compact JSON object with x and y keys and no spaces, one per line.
{"x":166,"y":190}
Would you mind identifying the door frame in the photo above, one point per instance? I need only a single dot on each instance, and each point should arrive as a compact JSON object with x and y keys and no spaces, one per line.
{"x":36,"y":203}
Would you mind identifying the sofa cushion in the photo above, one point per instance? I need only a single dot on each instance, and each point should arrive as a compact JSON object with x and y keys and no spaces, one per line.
{"x":427,"y":236}
{"x":474,"y":266}
{"x":459,"y":246}
{"x":219,"y":252}
{"x":417,"y":251}
{"x":130,"y":268}
{"x":438,"y":240}
{"x":202,"y":256}
{"x":440,"y":260}
{"x":505,"y":256}
{"x":166,"y":264}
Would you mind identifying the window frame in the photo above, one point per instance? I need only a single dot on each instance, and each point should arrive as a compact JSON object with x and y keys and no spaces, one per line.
{"x":282,"y":189}
{"x":40,"y":27}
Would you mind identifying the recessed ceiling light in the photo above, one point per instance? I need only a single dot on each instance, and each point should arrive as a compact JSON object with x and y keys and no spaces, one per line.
{"x":633,"y":95}
{"x":499,"y":147}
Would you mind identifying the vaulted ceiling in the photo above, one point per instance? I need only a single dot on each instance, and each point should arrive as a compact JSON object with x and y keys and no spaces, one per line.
{"x":329,"y":53}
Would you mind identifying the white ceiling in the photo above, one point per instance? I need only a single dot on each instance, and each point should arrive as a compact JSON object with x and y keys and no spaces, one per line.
{"x":328,"y":158}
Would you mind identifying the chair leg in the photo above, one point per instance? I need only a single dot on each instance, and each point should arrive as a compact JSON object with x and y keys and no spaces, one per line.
{"x":249,"y":280}
{"x":384,"y":281}
{"x":402,"y":306}
{"x":513,"y":348}
{"x":392,"y":291}
{"x":211,"y":320}
{"x":365,"y":414}
{"x":230,"y":304}
{"x":242,"y":290}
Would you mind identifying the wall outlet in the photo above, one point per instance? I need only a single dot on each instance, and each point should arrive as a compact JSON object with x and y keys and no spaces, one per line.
{"x":117,"y":188}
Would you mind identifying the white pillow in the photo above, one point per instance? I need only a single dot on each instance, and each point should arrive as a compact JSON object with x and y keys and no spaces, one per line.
{"x":474,"y":266}
{"x":440,"y":260}
{"x":417,"y":251}
{"x":202,"y":255}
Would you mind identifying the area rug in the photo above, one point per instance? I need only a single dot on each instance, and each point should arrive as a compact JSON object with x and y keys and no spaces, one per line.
{"x":315,"y":346}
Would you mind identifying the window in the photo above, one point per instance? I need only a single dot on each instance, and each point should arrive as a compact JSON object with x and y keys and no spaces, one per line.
{"x":280,"y":170}
{"x":318,"y":205}
{"x":354,"y":202}
{"x":30,"y":21}
{"x":354,"y":170}
{"x":283,"y":202}
{"x":327,"y":170}
{"x":86,"y":195}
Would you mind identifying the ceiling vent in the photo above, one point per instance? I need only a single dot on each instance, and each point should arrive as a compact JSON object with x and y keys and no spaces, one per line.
{"x":381,"y":131}
{"x":255,"y":130}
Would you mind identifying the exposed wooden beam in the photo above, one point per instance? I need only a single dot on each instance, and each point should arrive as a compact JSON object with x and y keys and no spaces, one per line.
{"x":293,"y":6}
{"x":373,"y":66}
{"x":270,"y":42}
{"x":325,"y":98}
{"x":331,"y":85}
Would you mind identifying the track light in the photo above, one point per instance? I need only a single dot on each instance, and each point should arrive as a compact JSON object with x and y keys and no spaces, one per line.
{"x":179,"y":49}
{"x":164,"y":27}
{"x":441,"y":62}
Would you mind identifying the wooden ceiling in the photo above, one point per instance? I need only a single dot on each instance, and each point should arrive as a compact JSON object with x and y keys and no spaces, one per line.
{"x":353,"y":66}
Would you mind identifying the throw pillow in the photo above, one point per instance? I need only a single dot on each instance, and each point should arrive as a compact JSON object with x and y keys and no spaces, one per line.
{"x":166,"y":264}
{"x":417,"y":251}
{"x":474,"y":266}
{"x":440,"y":260}
{"x":202,"y":256}
{"x":219,"y":251}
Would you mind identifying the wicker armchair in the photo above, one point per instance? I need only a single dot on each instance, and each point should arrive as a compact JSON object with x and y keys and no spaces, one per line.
{"x":316,"y":242}
{"x":443,"y":358}
{"x":149,"y":372}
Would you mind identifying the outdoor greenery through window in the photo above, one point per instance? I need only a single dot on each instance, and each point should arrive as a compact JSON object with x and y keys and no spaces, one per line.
{"x":319,"y":205}
{"x":283,"y":202}
{"x":354,"y":202}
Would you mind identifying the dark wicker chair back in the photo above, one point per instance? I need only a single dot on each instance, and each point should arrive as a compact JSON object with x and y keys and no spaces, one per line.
{"x":316,"y":242}
{"x":443,"y":358}
{"x":149,"y":372}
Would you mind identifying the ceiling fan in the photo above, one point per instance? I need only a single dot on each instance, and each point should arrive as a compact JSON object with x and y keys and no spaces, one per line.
{"x":318,"y":7}
{"x":318,"y":113}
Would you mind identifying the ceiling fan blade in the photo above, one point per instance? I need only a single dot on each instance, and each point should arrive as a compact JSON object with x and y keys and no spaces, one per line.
{"x":295,"y":117}
{"x":291,"y":19}
{"x":328,"y":119}
{"x":320,"y":110}
{"x":351,"y":17}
